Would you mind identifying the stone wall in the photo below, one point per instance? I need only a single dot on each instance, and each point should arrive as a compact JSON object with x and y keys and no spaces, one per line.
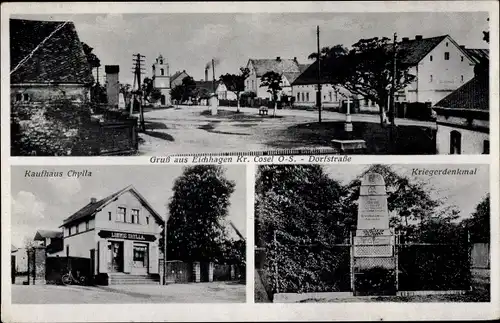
{"x":53,"y":128}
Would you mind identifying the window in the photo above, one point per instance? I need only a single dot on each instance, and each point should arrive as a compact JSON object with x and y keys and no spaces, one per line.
{"x":26,"y":97}
{"x":330,"y":93}
{"x":461,"y":78}
{"x":161,"y":61}
{"x":307,"y":96}
{"x":455,"y":143}
{"x":69,"y":231}
{"x":461,"y":58}
{"x":366,"y":102}
{"x":162,"y":71}
{"x":430,"y":58}
{"x":298,"y":96}
{"x":135,"y":216}
{"x":253,"y":84}
{"x":303,"y":97}
{"x":87,"y":225}
{"x":431,"y":78}
{"x":446,"y":56}
{"x":77,"y":228}
{"x":109,"y":215}
{"x":486,"y":147}
{"x":140,"y":252}
{"x":67,"y":250}
{"x":147,"y":219}
{"x":19,"y":97}
{"x":446,"y":44}
{"x":121,"y":214}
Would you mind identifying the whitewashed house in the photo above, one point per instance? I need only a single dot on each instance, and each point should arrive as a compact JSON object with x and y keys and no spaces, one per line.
{"x":289,"y":69}
{"x":223,"y":93}
{"x":463,"y":118}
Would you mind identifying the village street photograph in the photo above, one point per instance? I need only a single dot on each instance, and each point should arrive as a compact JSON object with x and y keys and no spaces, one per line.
{"x":397,"y":83}
{"x":372,"y":233}
{"x":96,"y":235}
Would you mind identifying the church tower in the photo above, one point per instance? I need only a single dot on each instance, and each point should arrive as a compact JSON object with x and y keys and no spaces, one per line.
{"x":161,"y":79}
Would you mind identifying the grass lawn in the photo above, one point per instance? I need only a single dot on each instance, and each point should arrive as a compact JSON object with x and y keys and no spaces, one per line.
{"x":409,"y":140}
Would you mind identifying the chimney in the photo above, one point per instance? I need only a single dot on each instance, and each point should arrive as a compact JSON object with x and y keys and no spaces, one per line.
{"x":93,"y":200}
{"x":418,"y":37}
{"x":112,"y":84}
{"x":278,"y":58}
{"x":206,"y":74}
{"x":406,"y":39}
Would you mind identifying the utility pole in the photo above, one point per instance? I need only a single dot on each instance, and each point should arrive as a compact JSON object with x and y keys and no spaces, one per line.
{"x":213,"y":74}
{"x":393,"y":91}
{"x":165,"y":251}
{"x":318,"y":93}
{"x":394,"y":72}
{"x":138,"y":71}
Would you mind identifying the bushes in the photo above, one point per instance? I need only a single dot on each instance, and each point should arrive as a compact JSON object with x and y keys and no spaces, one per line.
{"x":375,"y":281}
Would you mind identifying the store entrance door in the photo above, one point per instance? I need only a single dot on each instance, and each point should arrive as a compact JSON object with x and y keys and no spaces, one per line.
{"x":115,"y":249}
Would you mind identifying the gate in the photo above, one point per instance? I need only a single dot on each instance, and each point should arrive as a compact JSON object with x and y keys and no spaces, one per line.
{"x":179,"y":272}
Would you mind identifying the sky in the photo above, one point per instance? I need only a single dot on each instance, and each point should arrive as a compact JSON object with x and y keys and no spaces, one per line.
{"x":189,"y":40}
{"x":463,"y":191}
{"x":43,"y":203}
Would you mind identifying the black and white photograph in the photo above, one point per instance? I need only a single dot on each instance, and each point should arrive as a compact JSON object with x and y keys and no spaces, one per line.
{"x":372,"y":233}
{"x":397,"y":83}
{"x":96,"y":235}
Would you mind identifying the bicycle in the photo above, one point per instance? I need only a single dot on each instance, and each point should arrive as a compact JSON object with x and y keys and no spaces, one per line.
{"x":69,"y":279}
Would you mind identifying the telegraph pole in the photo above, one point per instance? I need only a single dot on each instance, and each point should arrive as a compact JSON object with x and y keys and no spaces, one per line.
{"x":393,"y":88}
{"x":213,"y":74}
{"x":138,"y":71}
{"x":393,"y":91}
{"x":318,"y":93}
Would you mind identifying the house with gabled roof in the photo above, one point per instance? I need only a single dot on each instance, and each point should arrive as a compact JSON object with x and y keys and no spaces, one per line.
{"x":119,"y":233}
{"x":47,"y":62}
{"x":463,"y":117}
{"x":289,"y":69}
{"x":439,"y":64}
{"x":51,"y":240}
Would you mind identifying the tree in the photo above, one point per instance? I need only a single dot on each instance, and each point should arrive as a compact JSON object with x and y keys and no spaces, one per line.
{"x":478,"y":224}
{"x":126,"y":90}
{"x":272,"y":80}
{"x":236,"y":83}
{"x":98,"y":94}
{"x":151,"y":93}
{"x":92,"y":58}
{"x":198,"y":208}
{"x":368,"y":70}
{"x":177,"y":93}
{"x":300,"y":205}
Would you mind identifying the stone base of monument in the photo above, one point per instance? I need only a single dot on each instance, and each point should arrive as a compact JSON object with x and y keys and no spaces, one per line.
{"x":350,"y":146}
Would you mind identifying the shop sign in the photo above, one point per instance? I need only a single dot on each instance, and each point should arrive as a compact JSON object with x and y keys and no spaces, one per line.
{"x":126,"y":235}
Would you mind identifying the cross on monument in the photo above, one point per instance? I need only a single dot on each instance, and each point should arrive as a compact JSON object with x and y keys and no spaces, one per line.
{"x":348,"y":123}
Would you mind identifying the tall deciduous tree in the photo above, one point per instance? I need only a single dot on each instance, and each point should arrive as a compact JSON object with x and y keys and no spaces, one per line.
{"x":301,"y":205}
{"x":236,"y":83}
{"x":272,"y":81}
{"x":92,"y":58}
{"x":196,"y":230}
{"x":151,"y":93}
{"x":368,"y":70}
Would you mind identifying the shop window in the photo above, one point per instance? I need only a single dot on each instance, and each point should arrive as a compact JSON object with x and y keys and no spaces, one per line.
{"x":486,"y":147}
{"x":446,"y":56}
{"x":455,"y":143}
{"x":135,"y":216}
{"x":121,"y":214}
{"x":140,"y":252}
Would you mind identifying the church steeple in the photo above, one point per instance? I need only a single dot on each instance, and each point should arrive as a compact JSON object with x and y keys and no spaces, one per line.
{"x":161,"y":78}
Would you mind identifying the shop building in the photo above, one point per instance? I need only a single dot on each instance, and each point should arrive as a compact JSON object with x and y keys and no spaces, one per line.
{"x":119,"y":234}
